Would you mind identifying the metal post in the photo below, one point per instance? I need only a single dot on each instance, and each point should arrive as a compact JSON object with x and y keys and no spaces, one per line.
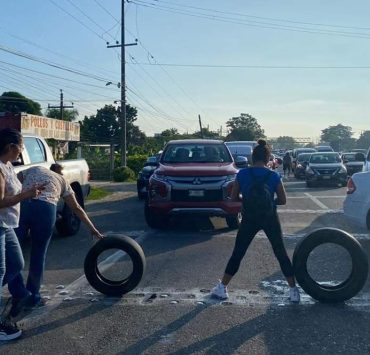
{"x":123,"y":88}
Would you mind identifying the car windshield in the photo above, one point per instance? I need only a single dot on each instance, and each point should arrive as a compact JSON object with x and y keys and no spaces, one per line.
{"x":304,"y":157}
{"x":325,"y":158}
{"x":196,"y":153}
{"x":236,"y":150}
{"x":349,"y":157}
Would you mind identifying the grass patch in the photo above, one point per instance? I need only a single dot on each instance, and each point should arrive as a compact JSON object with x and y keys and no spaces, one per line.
{"x":97,"y":193}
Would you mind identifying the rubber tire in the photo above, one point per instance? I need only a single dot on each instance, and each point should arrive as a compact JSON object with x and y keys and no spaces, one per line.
{"x":141,"y":195}
{"x":233,"y":221}
{"x":114,"y":287}
{"x":154,"y":220}
{"x":349,"y":287}
{"x":69,"y":224}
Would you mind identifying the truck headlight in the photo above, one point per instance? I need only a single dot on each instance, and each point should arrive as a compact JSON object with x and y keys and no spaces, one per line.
{"x":159,"y":177}
{"x":309,"y":171}
{"x":231,"y":177}
{"x":342,"y":170}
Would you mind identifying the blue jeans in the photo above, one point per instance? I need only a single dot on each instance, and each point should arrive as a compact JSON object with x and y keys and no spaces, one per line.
{"x":38,"y":218}
{"x":11,"y":257}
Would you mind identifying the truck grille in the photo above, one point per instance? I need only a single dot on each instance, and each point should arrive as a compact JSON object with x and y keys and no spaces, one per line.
{"x":325,"y":171}
{"x":209,"y":196}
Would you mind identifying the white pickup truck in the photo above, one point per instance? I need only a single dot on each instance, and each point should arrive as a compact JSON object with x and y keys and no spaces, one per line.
{"x":37,"y":153}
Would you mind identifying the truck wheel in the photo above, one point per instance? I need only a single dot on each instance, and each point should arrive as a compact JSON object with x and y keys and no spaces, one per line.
{"x":69,"y":224}
{"x":154,"y":220}
{"x":324,"y":293}
{"x":114,"y":287}
{"x":234,"y":221}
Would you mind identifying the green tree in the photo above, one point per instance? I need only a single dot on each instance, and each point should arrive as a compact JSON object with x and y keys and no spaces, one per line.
{"x":339,"y":137}
{"x":244,"y":127}
{"x":68,"y":115}
{"x":363,"y":141}
{"x":14,"y":102}
{"x":285,"y":142}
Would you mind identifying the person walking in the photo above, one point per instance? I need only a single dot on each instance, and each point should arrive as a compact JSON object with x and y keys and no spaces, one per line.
{"x":287,"y":164}
{"x":258,"y":186}
{"x":11,"y":194}
{"x":44,"y":206}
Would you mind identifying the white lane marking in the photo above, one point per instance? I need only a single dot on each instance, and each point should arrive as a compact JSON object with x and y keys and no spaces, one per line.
{"x":317,"y":201}
{"x":81,"y":282}
{"x":287,"y":210}
{"x":307,"y":197}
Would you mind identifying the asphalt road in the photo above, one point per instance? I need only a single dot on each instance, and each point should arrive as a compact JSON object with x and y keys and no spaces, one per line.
{"x":171,"y":311}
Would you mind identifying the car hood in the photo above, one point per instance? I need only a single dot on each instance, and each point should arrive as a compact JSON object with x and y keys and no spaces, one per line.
{"x":326,"y":166}
{"x":200,"y":169}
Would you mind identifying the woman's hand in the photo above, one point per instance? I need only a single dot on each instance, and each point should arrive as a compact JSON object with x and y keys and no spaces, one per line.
{"x":34,"y":191}
{"x":95,"y":233}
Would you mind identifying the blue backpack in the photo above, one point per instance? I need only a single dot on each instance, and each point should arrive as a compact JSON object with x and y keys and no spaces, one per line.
{"x":258,"y":201}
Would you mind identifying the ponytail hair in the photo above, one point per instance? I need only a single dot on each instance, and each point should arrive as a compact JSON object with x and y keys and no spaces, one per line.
{"x":261,"y":152}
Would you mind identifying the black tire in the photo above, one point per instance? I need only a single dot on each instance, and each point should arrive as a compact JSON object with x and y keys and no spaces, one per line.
{"x":114,"y":287}
{"x":141,"y":195}
{"x":233,"y":221}
{"x":69,"y":224}
{"x":349,"y":287}
{"x":154,"y":220}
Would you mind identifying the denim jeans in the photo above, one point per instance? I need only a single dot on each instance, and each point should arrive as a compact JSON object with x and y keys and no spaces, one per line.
{"x":247,"y":231}
{"x":38,"y":218}
{"x":11,"y":257}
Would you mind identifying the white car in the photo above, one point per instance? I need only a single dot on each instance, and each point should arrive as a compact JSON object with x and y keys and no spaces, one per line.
{"x":357,"y":203}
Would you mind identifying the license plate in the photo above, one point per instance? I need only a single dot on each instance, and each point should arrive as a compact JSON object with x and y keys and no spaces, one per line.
{"x":326,"y":177}
{"x":196,"y":193}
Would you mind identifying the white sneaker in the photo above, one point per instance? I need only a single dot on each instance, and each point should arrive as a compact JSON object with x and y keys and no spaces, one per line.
{"x":220,"y":291}
{"x":294,"y":294}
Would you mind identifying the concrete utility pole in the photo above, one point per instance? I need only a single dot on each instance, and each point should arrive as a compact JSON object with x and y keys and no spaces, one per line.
{"x":200,"y":126}
{"x":123,"y":120}
{"x":61,"y":106}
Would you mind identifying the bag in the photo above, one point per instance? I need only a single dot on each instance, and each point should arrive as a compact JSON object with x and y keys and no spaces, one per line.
{"x":258,"y":201}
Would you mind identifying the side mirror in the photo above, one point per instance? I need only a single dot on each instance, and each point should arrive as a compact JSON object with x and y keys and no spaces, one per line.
{"x":241,"y":162}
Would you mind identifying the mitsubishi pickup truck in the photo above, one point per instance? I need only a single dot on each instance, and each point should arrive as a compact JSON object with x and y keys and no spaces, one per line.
{"x":37,"y":153}
{"x":194,"y":176}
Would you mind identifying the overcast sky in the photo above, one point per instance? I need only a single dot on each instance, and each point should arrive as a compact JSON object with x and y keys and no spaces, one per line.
{"x":297,"y":66}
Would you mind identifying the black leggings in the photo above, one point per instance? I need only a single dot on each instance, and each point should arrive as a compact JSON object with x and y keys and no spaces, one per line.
{"x":246,"y":233}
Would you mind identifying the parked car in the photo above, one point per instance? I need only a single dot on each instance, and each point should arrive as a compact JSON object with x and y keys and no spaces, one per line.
{"x":145,"y":173}
{"x":357,"y":203}
{"x":326,"y":167}
{"x":301,"y":165}
{"x":194,"y":176}
{"x":298,"y":151}
{"x":37,"y":153}
{"x":354,"y":162}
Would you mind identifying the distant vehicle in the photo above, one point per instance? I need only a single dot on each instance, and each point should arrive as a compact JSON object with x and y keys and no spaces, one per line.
{"x":301,"y":165}
{"x":253,"y":144}
{"x":367,"y":162}
{"x":354,"y":162}
{"x":364,"y":151}
{"x":240,"y":150}
{"x":145,"y":173}
{"x":194,"y":176}
{"x":324,"y":148}
{"x":326,"y":167}
{"x":298,"y":151}
{"x":357,"y":203}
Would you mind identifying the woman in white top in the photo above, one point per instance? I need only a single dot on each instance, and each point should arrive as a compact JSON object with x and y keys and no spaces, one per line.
{"x":11,"y":258}
{"x":38,"y":218}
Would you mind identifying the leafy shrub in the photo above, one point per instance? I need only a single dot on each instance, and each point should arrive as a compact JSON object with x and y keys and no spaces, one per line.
{"x":134,"y":162}
{"x":123,"y":173}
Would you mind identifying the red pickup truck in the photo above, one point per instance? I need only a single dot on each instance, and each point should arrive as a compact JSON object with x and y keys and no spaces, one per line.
{"x":194,"y":176}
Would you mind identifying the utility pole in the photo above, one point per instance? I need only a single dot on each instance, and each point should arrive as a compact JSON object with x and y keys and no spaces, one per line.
{"x":200,"y":125}
{"x":61,"y":106}
{"x":123,"y":140}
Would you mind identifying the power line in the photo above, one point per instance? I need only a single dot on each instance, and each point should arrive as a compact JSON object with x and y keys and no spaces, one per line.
{"x":250,"y":23}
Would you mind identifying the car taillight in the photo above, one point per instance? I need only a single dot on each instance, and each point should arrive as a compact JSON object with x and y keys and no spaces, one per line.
{"x":351,"y":187}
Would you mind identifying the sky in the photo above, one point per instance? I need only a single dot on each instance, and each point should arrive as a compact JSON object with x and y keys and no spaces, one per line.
{"x":296,"y":66}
